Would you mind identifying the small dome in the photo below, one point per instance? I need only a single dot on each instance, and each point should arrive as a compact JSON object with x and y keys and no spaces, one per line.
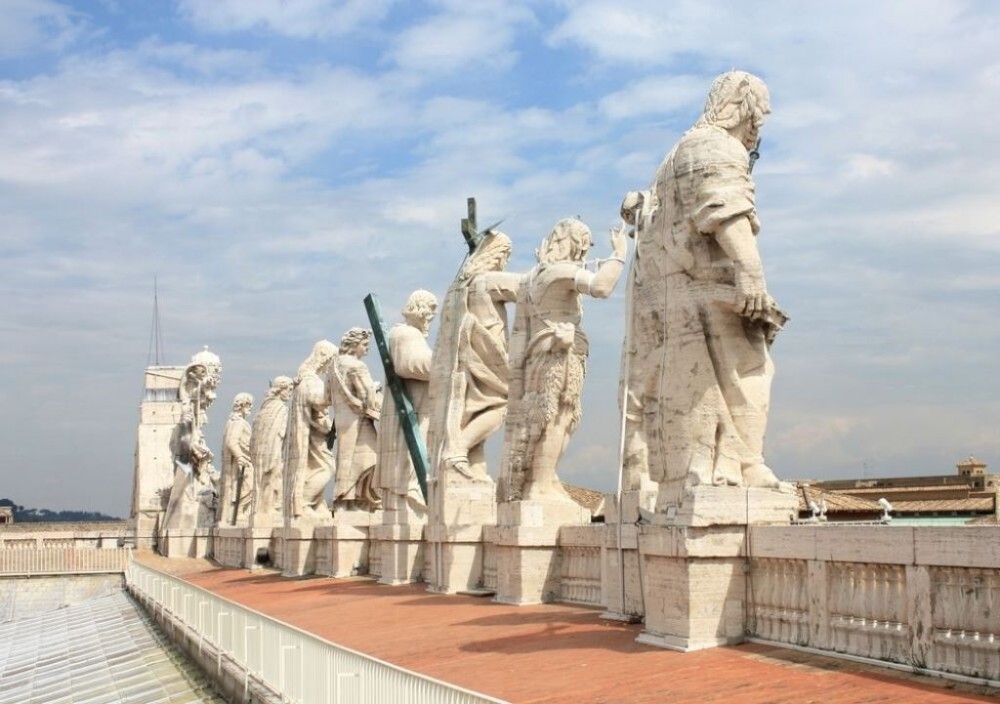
{"x":209,"y":359}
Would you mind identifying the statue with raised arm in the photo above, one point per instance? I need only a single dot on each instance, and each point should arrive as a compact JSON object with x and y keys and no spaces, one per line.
{"x":192,"y":502}
{"x":411,"y":359}
{"x":357,"y":402}
{"x":236,"y":481}
{"x":267,"y":441}
{"x":548,"y":358}
{"x":699,"y":371}
{"x":470,"y":375}
{"x":308,"y":460}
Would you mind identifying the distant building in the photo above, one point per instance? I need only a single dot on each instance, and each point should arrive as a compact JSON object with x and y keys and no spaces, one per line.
{"x":948,"y":499}
{"x":6,"y":515}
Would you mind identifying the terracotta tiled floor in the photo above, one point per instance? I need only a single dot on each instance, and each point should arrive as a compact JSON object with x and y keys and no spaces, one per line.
{"x":555,"y":653}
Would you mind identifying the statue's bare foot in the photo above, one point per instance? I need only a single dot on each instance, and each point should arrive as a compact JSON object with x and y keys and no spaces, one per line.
{"x":760,"y":475}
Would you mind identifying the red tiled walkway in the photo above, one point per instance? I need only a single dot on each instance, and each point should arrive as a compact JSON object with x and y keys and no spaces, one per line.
{"x":557,"y":653}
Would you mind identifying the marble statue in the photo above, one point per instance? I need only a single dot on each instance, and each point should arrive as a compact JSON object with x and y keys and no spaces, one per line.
{"x":548,"y":355}
{"x":470,"y":375}
{"x":267,"y":439}
{"x":357,"y":402}
{"x":236,"y":481}
{"x":192,"y":502}
{"x":697,"y":367}
{"x":411,"y":358}
{"x":308,"y":459}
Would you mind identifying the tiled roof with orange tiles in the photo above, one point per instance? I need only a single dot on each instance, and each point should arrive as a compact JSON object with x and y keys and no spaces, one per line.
{"x":556,"y":652}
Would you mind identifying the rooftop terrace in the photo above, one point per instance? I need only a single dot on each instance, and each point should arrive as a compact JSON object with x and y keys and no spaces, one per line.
{"x":550,"y":653}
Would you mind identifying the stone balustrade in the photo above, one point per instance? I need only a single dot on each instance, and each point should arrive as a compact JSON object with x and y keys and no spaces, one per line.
{"x":580,"y":566}
{"x":927,"y":597}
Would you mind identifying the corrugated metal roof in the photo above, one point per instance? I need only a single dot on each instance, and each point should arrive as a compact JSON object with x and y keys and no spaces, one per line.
{"x":101,"y":651}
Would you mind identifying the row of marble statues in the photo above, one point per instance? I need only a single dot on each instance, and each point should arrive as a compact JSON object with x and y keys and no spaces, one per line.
{"x":695,"y":376}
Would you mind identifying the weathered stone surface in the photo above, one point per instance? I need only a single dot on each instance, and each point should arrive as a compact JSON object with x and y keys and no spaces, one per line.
{"x":357,"y":403}
{"x":193,"y":495}
{"x":236,"y":480}
{"x":267,"y":440}
{"x":308,"y":460}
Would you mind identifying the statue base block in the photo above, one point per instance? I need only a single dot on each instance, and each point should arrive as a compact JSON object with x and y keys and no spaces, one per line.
{"x":342,"y":549}
{"x":196,"y":542}
{"x":257,"y":544}
{"x":529,"y":559}
{"x":693,"y":565}
{"x":297,"y":551}
{"x":401,"y":553}
{"x":227,"y":545}
{"x":455,"y":537}
{"x":732,"y":505}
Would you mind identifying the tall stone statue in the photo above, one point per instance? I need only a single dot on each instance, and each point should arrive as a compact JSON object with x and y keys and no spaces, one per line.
{"x":357,"y":402}
{"x":701,"y":321}
{"x":548,"y":357}
{"x":193,"y":495}
{"x":308,"y":460}
{"x":236,"y":483}
{"x":411,"y":358}
{"x":470,"y":374}
{"x":267,"y":441}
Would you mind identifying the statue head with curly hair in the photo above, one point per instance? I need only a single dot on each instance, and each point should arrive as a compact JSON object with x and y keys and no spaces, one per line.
{"x":420,"y":309}
{"x":737,"y":102}
{"x":355,"y":341}
{"x":569,"y":241}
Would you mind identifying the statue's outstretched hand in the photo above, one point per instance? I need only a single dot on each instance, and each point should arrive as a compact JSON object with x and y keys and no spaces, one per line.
{"x":619,"y":240}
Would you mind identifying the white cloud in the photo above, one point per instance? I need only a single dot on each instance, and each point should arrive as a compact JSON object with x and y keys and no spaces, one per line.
{"x":655,"y":95}
{"x":301,"y":18}
{"x":461,"y":36}
{"x":867,"y":166}
{"x":27,"y":26}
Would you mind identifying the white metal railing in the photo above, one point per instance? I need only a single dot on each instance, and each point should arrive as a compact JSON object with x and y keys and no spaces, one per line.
{"x":302,"y":667}
{"x":63,"y":560}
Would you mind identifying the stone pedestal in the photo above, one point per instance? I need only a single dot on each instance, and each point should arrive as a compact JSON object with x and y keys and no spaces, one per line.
{"x":227,"y":545}
{"x":256,"y":540}
{"x":342,"y":549}
{"x":527,"y":548}
{"x":621,"y":586}
{"x":297,"y":550}
{"x":693,"y":564}
{"x":401,"y":553}
{"x":186,"y":543}
{"x":400,"y":541}
{"x":455,"y":536}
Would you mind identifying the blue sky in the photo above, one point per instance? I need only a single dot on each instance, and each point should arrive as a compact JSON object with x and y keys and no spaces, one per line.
{"x":273,"y":162}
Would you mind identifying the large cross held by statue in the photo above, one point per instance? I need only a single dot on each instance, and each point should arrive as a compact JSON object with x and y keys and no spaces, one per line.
{"x":404,"y":405}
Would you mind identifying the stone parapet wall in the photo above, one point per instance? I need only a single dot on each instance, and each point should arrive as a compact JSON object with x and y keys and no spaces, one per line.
{"x":927,"y":597}
{"x":118,"y":528}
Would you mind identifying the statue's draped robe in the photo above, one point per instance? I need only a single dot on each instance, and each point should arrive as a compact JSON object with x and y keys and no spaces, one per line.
{"x":411,"y":358}
{"x":470,"y":374}
{"x":711,"y":375}
{"x":308,"y":461}
{"x":235,"y":453}
{"x":267,"y":455}
{"x":356,"y":403}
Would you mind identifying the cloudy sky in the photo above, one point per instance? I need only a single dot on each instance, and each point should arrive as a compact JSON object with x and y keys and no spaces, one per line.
{"x":273,"y":161}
